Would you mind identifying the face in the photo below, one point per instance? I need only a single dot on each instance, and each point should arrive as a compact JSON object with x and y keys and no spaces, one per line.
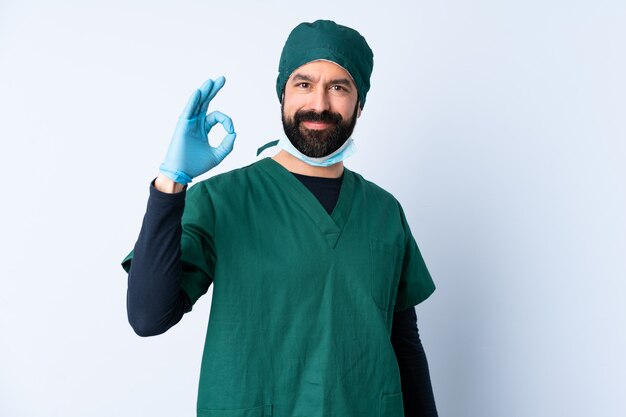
{"x":320,"y":107}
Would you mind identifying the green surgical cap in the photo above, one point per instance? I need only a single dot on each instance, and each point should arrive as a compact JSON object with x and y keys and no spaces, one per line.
{"x":326,"y":40}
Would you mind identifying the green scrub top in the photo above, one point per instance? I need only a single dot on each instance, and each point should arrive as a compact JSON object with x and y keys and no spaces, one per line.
{"x":303,"y":301}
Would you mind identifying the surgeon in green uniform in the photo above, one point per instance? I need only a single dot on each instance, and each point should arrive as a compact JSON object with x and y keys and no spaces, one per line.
{"x":303,"y":297}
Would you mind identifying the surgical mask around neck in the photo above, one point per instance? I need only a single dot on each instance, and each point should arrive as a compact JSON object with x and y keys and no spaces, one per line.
{"x":346,"y":150}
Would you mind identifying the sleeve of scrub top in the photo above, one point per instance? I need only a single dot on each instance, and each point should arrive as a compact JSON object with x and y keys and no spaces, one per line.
{"x":415,"y":284}
{"x":197,"y":244}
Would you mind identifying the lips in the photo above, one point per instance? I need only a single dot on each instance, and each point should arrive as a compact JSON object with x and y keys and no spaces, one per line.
{"x":316,"y":125}
{"x":311,"y":120}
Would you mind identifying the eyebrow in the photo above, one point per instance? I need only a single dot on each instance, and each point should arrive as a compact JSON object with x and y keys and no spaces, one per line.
{"x":302,"y":77}
{"x":341,"y":81}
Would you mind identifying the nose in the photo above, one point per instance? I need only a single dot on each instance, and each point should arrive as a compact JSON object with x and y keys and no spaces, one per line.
{"x":318,"y":100}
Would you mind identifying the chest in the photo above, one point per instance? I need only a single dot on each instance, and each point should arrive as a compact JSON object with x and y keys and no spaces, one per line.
{"x":295,"y":252}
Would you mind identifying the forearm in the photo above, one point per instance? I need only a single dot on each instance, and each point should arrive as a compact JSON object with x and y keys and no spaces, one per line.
{"x":155,"y":301}
{"x":166,"y":185}
{"x":414,"y":373}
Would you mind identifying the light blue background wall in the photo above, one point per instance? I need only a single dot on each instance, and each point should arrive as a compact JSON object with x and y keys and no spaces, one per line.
{"x":499,"y":125}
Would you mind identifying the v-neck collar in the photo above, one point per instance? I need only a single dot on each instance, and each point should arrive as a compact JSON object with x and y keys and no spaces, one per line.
{"x":330,"y":225}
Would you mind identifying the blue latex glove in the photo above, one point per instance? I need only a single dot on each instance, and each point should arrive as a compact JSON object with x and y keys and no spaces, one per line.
{"x":190,"y":153}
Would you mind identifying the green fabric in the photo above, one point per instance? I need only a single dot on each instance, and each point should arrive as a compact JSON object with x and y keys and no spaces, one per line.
{"x":303,"y":301}
{"x":325,"y":39}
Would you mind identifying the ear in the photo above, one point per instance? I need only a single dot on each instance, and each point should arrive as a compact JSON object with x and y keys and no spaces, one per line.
{"x":358,"y":113}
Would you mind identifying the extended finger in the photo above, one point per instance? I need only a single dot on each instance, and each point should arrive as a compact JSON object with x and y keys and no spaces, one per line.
{"x":217,"y":86}
{"x":205,"y":90}
{"x":218,"y":117}
{"x":192,"y":105}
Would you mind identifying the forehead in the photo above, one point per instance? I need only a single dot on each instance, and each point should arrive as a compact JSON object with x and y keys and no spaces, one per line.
{"x":322,"y":69}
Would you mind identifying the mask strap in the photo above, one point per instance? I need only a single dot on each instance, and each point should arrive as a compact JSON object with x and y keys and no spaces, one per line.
{"x":267,"y":145}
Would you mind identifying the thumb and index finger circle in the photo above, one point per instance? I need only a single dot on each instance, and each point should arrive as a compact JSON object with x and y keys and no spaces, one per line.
{"x":218,"y":117}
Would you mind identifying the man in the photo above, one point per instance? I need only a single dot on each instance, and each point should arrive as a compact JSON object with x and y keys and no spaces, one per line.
{"x":315,"y":271}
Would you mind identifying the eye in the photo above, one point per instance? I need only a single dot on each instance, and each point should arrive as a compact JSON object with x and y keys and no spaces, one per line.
{"x":337,"y":87}
{"x":302,"y":85}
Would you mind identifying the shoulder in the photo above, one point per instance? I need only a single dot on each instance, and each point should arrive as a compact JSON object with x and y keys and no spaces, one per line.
{"x":383,"y":208}
{"x":373,"y":190}
{"x":235,"y":177}
{"x":227,"y":189}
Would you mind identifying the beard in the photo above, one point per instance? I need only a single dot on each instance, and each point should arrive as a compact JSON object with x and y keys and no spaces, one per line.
{"x":318,"y":143}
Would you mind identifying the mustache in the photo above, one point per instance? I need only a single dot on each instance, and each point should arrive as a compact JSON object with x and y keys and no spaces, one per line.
{"x":312,"y":116}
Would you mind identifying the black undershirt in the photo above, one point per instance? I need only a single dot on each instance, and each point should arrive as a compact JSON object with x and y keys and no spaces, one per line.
{"x":156,"y":302}
{"x":326,"y":190}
